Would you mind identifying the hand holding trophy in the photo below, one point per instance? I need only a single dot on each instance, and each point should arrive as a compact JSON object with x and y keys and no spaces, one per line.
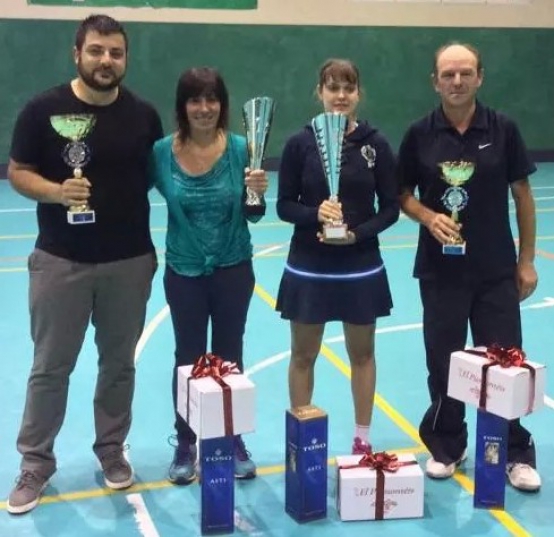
{"x":257,"y":115}
{"x":76,"y":154}
{"x":329,"y":129}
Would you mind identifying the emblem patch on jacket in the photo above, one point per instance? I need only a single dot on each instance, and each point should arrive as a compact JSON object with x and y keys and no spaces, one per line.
{"x":369,"y":153}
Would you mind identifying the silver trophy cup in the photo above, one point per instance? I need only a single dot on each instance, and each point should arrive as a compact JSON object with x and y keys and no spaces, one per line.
{"x":329,"y":129}
{"x":257,"y":115}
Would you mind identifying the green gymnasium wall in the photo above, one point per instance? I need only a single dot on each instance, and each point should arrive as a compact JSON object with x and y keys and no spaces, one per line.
{"x":282,"y":61}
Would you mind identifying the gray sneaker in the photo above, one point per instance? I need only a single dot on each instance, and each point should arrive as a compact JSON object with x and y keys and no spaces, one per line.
{"x":118,"y":473}
{"x":27,"y":492}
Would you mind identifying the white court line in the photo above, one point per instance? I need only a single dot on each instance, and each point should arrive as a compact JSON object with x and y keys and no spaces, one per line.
{"x":547,"y":302}
{"x":32,"y":209}
{"x":149,"y":330}
{"x":281,"y":356}
{"x":398,"y":328}
{"x":540,"y":198}
{"x":142,"y":516}
{"x":266,"y":363}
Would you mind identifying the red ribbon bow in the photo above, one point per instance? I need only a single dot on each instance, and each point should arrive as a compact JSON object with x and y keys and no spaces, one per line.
{"x":504,"y":357}
{"x":210,"y":365}
{"x":387,"y":462}
{"x":380,"y":462}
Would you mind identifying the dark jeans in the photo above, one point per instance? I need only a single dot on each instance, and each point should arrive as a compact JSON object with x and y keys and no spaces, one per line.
{"x":491,"y":309}
{"x":221,"y":299}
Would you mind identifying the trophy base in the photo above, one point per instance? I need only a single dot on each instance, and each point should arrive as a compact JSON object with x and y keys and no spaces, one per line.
{"x":454,"y":249}
{"x":335,"y":232}
{"x":81,"y":217}
{"x":254,"y":209}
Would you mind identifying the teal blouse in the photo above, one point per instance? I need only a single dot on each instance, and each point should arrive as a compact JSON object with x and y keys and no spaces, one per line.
{"x":206,"y":225}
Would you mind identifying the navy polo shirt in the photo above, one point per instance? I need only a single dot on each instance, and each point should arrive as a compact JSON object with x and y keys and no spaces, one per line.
{"x":493,"y":150}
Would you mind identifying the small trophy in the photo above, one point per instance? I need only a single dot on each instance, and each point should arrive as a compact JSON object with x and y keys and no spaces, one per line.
{"x":257,"y":115}
{"x":329,"y":129}
{"x":76,"y":154}
{"x":455,"y":199}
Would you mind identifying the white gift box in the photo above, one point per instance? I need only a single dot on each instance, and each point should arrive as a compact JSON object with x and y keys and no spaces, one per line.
{"x":509,"y":389}
{"x":357,"y":490}
{"x":205,"y":405}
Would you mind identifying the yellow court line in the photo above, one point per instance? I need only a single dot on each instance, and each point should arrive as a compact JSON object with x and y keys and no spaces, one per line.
{"x":158,"y":485}
{"x":404,"y":425}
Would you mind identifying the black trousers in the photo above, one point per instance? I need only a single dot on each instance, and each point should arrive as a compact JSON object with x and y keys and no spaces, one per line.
{"x":491,"y":310}
{"x":220,"y":299}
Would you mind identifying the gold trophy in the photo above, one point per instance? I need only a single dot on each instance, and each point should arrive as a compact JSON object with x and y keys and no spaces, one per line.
{"x":257,"y":115}
{"x":455,"y":198}
{"x":329,"y":129}
{"x":76,"y":154}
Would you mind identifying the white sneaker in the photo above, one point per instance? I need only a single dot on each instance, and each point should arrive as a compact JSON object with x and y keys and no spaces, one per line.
{"x":439,"y":470}
{"x":523,"y":477}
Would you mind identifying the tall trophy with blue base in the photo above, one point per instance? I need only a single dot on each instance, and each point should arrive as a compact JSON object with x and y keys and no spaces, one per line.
{"x":329,"y":130}
{"x":455,"y":198}
{"x":257,"y":115}
{"x":76,"y":154}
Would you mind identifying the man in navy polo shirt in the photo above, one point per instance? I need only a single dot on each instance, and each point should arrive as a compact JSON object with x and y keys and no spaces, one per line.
{"x":464,"y":158}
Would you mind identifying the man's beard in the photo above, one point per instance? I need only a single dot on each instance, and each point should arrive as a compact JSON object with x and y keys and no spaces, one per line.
{"x":90,"y":80}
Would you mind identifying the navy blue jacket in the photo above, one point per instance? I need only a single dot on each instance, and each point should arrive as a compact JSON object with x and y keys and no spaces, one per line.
{"x":368,"y":192}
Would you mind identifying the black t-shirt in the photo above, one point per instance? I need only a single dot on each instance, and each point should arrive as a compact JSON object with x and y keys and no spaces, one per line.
{"x":119,"y":144}
{"x":493,"y":148}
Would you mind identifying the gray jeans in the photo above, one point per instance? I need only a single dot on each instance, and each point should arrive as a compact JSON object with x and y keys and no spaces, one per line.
{"x":64,"y":296}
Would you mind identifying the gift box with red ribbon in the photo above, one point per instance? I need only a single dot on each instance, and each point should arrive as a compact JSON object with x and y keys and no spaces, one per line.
{"x":496,"y":379}
{"x":215,"y":399}
{"x":379,"y":486}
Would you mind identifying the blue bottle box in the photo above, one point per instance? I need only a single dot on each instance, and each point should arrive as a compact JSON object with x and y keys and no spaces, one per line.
{"x":491,"y":453}
{"x":217,"y":473}
{"x":306,"y":463}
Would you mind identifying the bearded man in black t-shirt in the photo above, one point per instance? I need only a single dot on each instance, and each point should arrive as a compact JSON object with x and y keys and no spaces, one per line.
{"x":81,"y":151}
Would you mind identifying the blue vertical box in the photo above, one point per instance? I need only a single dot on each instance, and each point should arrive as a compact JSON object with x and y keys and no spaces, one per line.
{"x":306,"y":463}
{"x":491,"y":454}
{"x":217,"y":474}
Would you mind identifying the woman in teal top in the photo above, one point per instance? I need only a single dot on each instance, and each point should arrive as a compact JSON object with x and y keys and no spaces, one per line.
{"x":201,"y":171}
